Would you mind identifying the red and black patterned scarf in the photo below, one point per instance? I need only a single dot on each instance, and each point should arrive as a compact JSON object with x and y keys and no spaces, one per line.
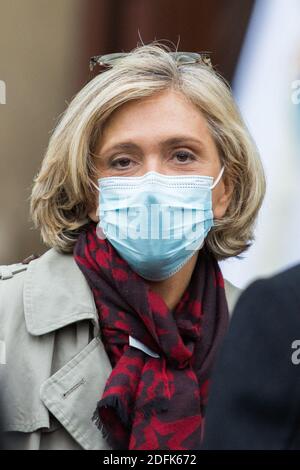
{"x":153,"y":402}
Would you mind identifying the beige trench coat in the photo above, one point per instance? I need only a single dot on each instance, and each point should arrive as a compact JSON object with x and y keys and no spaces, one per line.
{"x":53,"y":366}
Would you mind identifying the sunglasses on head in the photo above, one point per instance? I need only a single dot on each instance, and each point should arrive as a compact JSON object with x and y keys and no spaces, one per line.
{"x":181,"y":58}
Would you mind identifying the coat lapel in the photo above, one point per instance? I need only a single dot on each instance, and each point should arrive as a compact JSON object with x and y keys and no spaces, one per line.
{"x":72,"y":393}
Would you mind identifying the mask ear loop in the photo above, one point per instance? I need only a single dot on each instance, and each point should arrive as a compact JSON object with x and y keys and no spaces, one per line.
{"x":97,"y":211}
{"x":95,"y":185}
{"x":218,"y":178}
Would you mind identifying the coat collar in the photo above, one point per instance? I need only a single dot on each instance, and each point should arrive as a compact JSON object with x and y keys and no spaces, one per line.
{"x":56,"y":294}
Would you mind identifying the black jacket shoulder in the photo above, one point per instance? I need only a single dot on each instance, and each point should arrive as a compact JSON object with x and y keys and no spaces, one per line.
{"x":254,"y":399}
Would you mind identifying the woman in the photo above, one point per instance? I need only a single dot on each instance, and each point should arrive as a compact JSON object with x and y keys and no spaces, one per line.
{"x":150,"y":179}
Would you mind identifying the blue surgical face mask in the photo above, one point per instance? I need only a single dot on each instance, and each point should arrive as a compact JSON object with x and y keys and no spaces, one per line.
{"x":156,"y":222}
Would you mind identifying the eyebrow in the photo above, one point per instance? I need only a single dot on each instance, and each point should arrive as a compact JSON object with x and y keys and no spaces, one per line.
{"x":130,"y":145}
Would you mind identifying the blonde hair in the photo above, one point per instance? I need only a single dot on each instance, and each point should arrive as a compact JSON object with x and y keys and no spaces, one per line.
{"x":62,"y":190}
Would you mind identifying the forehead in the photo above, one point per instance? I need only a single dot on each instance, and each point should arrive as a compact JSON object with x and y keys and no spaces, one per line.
{"x":162,"y":114}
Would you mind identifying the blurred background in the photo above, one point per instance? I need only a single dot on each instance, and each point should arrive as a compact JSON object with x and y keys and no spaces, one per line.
{"x":45,"y":46}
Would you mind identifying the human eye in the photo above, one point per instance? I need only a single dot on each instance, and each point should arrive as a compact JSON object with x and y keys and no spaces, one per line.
{"x":183,"y":156}
{"x":122,"y":163}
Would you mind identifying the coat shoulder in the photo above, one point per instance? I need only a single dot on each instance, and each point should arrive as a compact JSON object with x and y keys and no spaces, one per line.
{"x":11,"y":290}
{"x":12,"y":278}
{"x":12,"y":275}
{"x":8,"y":271}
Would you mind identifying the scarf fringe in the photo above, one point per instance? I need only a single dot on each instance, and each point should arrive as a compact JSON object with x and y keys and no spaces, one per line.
{"x":97,"y":421}
{"x":106,"y":434}
{"x":158,"y":404}
{"x":115,"y":403}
